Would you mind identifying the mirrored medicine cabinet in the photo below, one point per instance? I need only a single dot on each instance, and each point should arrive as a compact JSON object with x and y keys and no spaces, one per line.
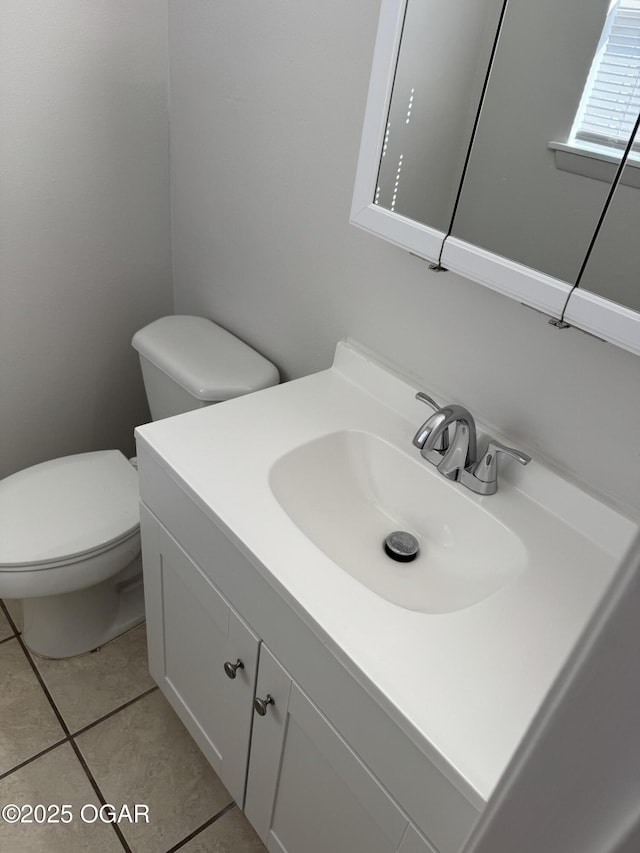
{"x":480,"y":150}
{"x":618,"y":238}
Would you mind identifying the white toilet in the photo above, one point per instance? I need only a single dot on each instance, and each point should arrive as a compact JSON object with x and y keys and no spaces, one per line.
{"x":69,"y":527}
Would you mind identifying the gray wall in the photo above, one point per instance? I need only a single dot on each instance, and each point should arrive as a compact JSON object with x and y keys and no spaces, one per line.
{"x":585,"y":739}
{"x":446,"y":84}
{"x":618,"y":238}
{"x":84,"y":223}
{"x":515,"y":201}
{"x":267,"y":103}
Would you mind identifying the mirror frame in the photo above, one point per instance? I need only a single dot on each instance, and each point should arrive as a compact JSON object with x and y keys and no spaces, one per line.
{"x":582,"y":309}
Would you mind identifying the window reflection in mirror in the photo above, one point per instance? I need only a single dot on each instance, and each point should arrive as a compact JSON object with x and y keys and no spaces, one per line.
{"x":442,"y":65}
{"x":515,"y":202}
{"x":612,"y":268}
{"x":610,"y":100}
{"x":611,"y":97}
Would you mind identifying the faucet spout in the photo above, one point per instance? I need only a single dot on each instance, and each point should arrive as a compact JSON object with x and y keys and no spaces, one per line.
{"x":462,"y":451}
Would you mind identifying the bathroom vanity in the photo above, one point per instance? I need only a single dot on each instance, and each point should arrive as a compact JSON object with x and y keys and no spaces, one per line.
{"x":338,"y":718}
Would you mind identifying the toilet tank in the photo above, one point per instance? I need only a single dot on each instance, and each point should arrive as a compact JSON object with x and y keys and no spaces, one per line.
{"x":189,"y":362}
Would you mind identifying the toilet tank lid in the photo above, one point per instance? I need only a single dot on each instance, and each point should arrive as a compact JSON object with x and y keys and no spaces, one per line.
{"x":66,"y":507}
{"x":206,"y":360}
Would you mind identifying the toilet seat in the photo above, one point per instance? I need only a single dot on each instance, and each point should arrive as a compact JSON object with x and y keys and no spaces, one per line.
{"x":66,"y":510}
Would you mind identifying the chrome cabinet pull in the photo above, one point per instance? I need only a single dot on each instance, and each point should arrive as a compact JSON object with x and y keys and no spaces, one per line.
{"x":230,"y":668}
{"x":261,"y":704}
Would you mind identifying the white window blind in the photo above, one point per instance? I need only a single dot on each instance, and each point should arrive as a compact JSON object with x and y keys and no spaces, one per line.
{"x":611,"y":98}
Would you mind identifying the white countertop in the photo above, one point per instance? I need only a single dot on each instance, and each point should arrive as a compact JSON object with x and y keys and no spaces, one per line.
{"x":463,"y":685}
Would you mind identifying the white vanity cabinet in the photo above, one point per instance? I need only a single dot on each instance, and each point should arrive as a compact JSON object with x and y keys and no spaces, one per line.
{"x":193,"y":633}
{"x":307,"y":790}
{"x":324,"y":768}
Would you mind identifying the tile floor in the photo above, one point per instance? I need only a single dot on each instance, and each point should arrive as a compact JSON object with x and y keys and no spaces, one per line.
{"x":93,"y":730}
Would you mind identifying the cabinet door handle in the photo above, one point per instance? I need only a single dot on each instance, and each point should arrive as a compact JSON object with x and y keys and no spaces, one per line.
{"x":261,"y":704}
{"x":230,"y":668}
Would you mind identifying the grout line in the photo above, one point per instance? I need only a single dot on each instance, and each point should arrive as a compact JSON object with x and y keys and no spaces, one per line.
{"x":36,"y":672}
{"x":33,"y":758}
{"x":98,"y":792}
{"x":70,"y":739}
{"x":115,"y":711}
{"x":5,"y":610}
{"x":204,"y":826}
{"x":68,"y":736}
{"x":74,"y":746}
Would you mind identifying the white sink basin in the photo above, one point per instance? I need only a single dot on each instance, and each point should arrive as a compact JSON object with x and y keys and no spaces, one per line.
{"x":348,"y":490}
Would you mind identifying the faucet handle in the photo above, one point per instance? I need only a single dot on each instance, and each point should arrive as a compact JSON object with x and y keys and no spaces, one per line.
{"x":486,"y":471}
{"x":425,"y":398}
{"x":423,"y":433}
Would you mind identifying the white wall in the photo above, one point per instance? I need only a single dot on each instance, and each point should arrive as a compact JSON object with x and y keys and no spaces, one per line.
{"x":267,"y":101}
{"x":84,"y":227}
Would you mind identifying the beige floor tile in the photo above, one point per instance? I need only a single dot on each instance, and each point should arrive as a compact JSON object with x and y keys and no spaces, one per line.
{"x":55,"y":778}
{"x":28,"y":722}
{"x":14,"y":606}
{"x":231,"y":833}
{"x":143,"y":754}
{"x":87,"y":687}
{"x":5,"y":628}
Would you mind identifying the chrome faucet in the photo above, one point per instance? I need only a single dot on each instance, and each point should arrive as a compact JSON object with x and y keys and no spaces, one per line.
{"x":457,"y":460}
{"x":433,"y":438}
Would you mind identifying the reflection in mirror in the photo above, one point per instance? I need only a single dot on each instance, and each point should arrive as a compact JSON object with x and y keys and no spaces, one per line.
{"x":515,"y":201}
{"x":612,"y":268}
{"x":442,"y":64}
{"x":611,"y":98}
{"x":532,"y":198}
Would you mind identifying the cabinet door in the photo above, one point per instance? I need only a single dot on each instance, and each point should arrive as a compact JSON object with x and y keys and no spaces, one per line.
{"x":192,"y":633}
{"x":307,"y":791}
{"x":413,"y":842}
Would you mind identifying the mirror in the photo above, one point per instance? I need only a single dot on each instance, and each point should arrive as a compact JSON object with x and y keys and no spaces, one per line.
{"x":515,"y":201}
{"x":447,"y":85}
{"x":618,"y":238}
{"x":527,"y":209}
{"x":442,"y":64}
{"x":609,"y":280}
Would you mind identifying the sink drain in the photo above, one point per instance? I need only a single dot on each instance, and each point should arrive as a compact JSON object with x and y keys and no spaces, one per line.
{"x":401,"y":546}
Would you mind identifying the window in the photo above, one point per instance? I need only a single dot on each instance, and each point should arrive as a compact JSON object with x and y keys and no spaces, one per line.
{"x":609,"y":105}
{"x":611,"y":99}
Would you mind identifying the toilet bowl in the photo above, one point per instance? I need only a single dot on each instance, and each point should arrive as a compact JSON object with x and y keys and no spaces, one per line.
{"x":69,"y":527}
